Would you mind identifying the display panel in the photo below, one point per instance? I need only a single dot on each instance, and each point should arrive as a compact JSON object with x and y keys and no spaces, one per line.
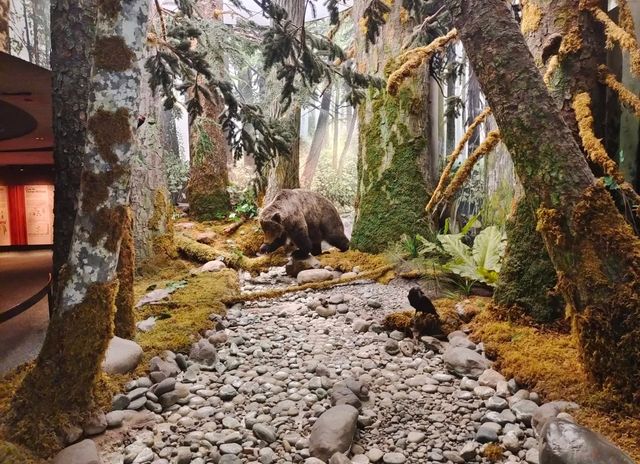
{"x":5,"y":224}
{"x":38,"y":201}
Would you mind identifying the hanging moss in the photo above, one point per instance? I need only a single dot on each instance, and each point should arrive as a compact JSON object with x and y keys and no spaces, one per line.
{"x":392,"y":191}
{"x":113,"y":54}
{"x":527,"y":278}
{"x":125,"y":324}
{"x":65,"y":382}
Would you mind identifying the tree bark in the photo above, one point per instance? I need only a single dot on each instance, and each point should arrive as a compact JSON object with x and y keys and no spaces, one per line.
{"x":393,"y":154}
{"x":209,"y":173}
{"x":5,"y":38}
{"x":594,"y":251}
{"x":124,"y":320}
{"x":317,"y":144}
{"x":73,"y":31}
{"x":285,"y":171}
{"x":64,"y":383}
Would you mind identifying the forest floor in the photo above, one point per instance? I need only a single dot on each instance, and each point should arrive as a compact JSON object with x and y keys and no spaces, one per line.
{"x":270,"y":367}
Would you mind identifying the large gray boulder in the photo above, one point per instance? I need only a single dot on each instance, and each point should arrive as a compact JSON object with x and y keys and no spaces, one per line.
{"x":122,"y":356}
{"x":333,"y":432}
{"x":549,"y":411}
{"x":465,"y":362}
{"x":563,"y":442}
{"x":84,"y":452}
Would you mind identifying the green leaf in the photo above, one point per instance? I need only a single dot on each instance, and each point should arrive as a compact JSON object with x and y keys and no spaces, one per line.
{"x":465,"y":230}
{"x":488,"y":248}
{"x":452,"y":244}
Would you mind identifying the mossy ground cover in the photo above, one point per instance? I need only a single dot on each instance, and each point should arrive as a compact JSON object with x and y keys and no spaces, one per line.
{"x":548,"y":361}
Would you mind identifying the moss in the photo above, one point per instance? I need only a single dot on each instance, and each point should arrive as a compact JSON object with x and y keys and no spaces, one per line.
{"x":531,"y":17}
{"x":493,"y":452}
{"x":392,"y":191}
{"x":208,"y":204}
{"x":110,"y":8}
{"x":13,"y":454}
{"x":109,"y":224}
{"x":95,"y":187}
{"x":113,"y":54}
{"x":124,"y":321}
{"x":414,"y":58}
{"x":65,"y":383}
{"x":188,"y":312}
{"x":346,"y":261}
{"x":400,"y":320}
{"x":606,"y":279}
{"x":527,"y":279}
{"x":110,"y":128}
{"x":539,"y":359}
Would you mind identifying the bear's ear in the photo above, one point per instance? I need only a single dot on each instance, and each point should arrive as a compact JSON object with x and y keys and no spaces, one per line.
{"x":276,"y":218}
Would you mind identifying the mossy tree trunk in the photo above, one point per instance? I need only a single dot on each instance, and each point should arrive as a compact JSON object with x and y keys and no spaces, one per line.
{"x":285,"y":170}
{"x":73,"y":30}
{"x":209,"y":173}
{"x":393,"y":155}
{"x":594,"y":251}
{"x":63,"y":384}
{"x":5,"y":11}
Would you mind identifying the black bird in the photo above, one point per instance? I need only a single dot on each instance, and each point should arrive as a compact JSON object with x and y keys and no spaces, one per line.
{"x":425,"y":321}
{"x":421,"y":302}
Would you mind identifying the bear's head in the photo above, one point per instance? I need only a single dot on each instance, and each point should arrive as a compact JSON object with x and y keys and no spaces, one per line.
{"x":274,"y":234}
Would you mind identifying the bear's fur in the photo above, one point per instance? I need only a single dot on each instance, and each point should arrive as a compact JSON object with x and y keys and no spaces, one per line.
{"x":306,"y":218}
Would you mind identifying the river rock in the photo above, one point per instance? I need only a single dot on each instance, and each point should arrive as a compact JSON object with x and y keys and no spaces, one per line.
{"x":465,"y":362}
{"x":122,"y":356}
{"x":296,"y":266}
{"x":563,"y":442}
{"x":204,"y":352}
{"x":313,"y":275}
{"x":333,"y":432}
{"x":84,"y":452}
{"x":548,"y":411}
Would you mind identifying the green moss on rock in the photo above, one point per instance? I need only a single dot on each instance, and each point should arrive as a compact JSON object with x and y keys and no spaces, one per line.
{"x":527,"y":278}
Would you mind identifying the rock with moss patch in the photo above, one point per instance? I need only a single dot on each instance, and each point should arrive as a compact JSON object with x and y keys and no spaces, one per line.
{"x":122,"y":356}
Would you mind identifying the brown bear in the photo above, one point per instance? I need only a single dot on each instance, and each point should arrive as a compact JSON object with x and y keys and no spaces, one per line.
{"x":306,"y":218}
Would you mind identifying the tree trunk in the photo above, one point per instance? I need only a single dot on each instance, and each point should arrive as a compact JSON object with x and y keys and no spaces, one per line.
{"x":5,"y":39}
{"x":317,"y":144}
{"x":393,"y":154}
{"x":63,"y":384}
{"x":73,"y":31}
{"x":285,"y":171}
{"x":209,"y":173}
{"x":353,"y":118}
{"x":124,"y":320}
{"x":594,"y":251}
{"x":152,"y":212}
{"x":336,"y":128}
